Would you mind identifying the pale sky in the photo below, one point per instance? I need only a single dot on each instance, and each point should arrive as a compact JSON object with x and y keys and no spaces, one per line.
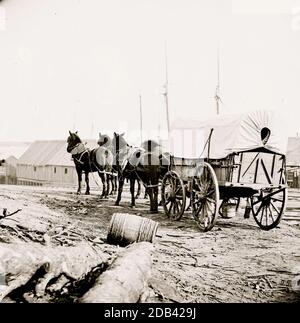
{"x":81,"y":65}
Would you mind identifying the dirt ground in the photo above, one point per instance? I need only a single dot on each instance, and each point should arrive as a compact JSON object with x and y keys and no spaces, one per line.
{"x":235,"y":262}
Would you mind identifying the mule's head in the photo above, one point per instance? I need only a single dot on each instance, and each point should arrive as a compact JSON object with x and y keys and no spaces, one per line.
{"x":73,"y":140}
{"x":119,"y":142}
{"x":104,"y":140}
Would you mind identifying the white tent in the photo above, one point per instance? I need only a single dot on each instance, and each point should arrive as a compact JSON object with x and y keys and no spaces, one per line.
{"x":256,"y":131}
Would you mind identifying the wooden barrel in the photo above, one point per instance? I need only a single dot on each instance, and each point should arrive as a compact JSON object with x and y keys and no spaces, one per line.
{"x":128,"y":228}
{"x":229,"y":210}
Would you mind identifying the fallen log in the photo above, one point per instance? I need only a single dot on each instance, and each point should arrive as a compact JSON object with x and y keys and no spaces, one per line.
{"x":126,"y":279}
{"x":31,"y":265}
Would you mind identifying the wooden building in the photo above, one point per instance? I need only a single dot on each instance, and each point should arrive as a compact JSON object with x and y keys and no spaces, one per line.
{"x":47,"y":163}
{"x":9,"y":154}
{"x":293,"y":162}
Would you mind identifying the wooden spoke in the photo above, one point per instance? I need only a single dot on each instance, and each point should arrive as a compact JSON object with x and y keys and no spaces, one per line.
{"x":282,"y":190}
{"x":179,"y":203}
{"x":277,"y":200}
{"x":275,"y":208}
{"x":262,"y":214}
{"x":271,"y":214}
{"x":175,"y":207}
{"x":210,"y":193}
{"x":256,"y":202}
{"x":170,"y":207}
{"x":168,"y":201}
{"x":178,"y":189}
{"x":260,"y":207}
{"x":211,"y":200}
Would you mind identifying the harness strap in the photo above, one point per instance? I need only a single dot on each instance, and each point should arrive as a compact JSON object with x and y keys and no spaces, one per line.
{"x":78,"y":149}
{"x":80,"y":157}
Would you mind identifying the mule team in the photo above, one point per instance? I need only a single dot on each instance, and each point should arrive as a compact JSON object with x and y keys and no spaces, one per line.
{"x":114,"y":159}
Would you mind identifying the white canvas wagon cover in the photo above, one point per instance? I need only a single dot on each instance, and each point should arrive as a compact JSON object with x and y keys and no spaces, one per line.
{"x":231,"y":133}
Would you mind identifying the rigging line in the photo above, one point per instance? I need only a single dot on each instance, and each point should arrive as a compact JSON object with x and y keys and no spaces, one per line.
{"x":207,"y":141}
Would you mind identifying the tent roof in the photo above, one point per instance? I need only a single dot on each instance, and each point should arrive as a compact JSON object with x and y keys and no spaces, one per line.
{"x":232,"y":133}
{"x":54,"y":152}
{"x":15,"y":149}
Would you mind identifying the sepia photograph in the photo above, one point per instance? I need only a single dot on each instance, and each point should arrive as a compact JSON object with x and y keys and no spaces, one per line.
{"x":150,"y":154}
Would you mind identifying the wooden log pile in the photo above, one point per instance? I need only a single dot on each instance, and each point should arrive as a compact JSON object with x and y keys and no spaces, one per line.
{"x":31,"y":272}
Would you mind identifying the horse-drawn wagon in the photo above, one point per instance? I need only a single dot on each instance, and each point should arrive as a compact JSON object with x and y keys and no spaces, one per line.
{"x":243,"y":157}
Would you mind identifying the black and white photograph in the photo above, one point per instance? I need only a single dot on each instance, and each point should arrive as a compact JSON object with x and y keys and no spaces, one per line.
{"x":150,"y":154}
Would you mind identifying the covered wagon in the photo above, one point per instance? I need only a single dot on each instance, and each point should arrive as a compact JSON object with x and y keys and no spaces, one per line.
{"x":224,"y":159}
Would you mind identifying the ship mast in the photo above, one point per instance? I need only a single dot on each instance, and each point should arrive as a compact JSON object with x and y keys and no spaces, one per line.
{"x":166,"y":90}
{"x":141,"y":118}
{"x":217,"y":95}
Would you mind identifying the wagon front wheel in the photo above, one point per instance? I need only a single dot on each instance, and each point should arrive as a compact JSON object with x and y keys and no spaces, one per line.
{"x":173,"y":195}
{"x":268,"y":207}
{"x":205,"y":197}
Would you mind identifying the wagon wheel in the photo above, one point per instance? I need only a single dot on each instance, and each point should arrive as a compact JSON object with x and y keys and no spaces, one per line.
{"x":268,"y":207}
{"x":173,"y":195}
{"x":205,"y":197}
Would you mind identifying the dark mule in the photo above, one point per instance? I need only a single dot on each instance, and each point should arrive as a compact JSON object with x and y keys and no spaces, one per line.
{"x":145,"y":165}
{"x":96,"y":160}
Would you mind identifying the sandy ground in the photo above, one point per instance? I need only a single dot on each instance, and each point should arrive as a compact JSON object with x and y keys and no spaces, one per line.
{"x":235,"y":262}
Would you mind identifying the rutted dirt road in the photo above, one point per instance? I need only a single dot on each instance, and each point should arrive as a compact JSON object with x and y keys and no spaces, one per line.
{"x":235,"y":262}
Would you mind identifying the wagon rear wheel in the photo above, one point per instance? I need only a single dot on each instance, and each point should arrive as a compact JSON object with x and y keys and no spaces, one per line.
{"x":173,"y":195}
{"x":205,"y":197}
{"x":268,"y":207}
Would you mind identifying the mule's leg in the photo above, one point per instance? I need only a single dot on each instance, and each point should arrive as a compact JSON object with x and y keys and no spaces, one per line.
{"x":120,"y":189}
{"x":150,"y":195}
{"x":189,"y":206}
{"x":79,"y":174}
{"x":155,"y":199}
{"x":115,"y":184}
{"x":146,"y":193}
{"x":132,"y":182}
{"x":153,"y":194}
{"x":110,"y":180}
{"x":87,"y":191}
{"x":107,"y":178}
{"x":138,"y":190}
{"x":102,"y":176}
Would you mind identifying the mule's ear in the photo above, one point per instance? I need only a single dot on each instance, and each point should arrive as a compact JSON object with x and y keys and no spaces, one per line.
{"x":70,"y":133}
{"x":122,"y":134}
{"x":115,"y":134}
{"x":99,"y":134}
